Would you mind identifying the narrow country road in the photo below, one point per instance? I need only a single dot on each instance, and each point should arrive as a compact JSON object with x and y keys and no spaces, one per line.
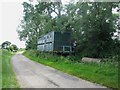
{"x":31,"y":74}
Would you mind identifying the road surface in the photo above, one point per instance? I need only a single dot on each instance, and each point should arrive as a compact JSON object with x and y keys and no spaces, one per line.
{"x":31,"y":74}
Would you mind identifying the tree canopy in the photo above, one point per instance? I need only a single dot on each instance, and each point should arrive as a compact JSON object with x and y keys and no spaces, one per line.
{"x":92,"y":25}
{"x":9,"y":46}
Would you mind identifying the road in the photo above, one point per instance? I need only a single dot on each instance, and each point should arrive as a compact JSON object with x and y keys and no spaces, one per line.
{"x":31,"y":74}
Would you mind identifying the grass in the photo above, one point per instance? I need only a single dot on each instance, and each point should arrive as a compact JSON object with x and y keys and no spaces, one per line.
{"x":0,"y":69}
{"x":8,"y":77}
{"x":103,"y":73}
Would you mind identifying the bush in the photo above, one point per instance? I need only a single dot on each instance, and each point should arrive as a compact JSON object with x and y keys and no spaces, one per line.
{"x":70,"y":58}
{"x":52,"y":56}
{"x":112,"y":60}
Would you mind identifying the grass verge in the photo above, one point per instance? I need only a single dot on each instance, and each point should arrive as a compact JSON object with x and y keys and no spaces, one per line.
{"x":103,"y":73}
{"x":0,"y":69}
{"x":8,"y":77}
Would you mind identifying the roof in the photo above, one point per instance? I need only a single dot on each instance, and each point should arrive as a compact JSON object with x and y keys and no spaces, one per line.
{"x":51,"y":32}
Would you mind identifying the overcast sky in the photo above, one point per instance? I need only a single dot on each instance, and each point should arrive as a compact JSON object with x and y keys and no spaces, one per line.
{"x":11,"y":14}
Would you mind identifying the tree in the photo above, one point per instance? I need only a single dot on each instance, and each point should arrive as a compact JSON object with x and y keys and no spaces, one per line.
{"x":13,"y":47}
{"x":92,"y":25}
{"x":36,"y":21}
{"x":94,"y":28}
{"x":9,"y":46}
{"x":6,"y":45}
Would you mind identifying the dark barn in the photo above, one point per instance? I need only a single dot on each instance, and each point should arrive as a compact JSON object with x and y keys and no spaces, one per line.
{"x":55,"y":42}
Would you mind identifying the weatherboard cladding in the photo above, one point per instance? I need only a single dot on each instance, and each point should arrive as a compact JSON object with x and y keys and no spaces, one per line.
{"x":54,"y":41}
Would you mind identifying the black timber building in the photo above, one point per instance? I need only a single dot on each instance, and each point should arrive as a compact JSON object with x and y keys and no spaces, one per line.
{"x":55,"y":41}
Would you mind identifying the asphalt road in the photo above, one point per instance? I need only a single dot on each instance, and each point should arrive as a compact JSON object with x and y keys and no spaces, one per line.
{"x":31,"y":74}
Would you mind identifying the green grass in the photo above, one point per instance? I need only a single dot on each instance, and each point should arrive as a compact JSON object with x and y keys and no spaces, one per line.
{"x":8,"y":77}
{"x":103,"y":73}
{"x":0,"y":69}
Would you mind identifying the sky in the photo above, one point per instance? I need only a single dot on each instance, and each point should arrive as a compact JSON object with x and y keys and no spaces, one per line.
{"x":11,"y":15}
{"x":11,"y":12}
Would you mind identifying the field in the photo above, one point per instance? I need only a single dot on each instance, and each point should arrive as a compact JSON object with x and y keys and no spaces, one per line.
{"x":104,"y":73}
{"x":8,"y":76}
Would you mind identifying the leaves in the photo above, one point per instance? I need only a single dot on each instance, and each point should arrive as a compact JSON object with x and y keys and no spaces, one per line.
{"x":91,"y":24}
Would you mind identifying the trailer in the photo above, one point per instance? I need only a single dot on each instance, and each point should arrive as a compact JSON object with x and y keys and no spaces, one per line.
{"x":55,"y":41}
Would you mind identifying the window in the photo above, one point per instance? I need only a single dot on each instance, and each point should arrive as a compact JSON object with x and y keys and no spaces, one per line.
{"x":47,"y":36}
{"x":66,"y":48}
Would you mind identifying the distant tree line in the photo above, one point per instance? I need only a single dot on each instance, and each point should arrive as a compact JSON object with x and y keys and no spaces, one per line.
{"x":92,"y":25}
{"x":9,"y":46}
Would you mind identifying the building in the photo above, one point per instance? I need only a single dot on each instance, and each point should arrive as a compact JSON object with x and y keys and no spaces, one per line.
{"x":55,"y":42}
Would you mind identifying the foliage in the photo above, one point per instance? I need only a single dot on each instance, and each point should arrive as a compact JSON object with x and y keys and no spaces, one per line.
{"x":0,"y":69}
{"x":9,"y":46}
{"x":36,"y":21}
{"x":96,"y":29}
{"x":13,"y":48}
{"x":54,"y":56}
{"x":6,"y":45}
{"x":8,"y":77}
{"x":103,"y":73}
{"x":92,"y":25}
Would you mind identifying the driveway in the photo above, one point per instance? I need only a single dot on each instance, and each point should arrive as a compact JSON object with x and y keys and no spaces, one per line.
{"x":31,"y":74}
